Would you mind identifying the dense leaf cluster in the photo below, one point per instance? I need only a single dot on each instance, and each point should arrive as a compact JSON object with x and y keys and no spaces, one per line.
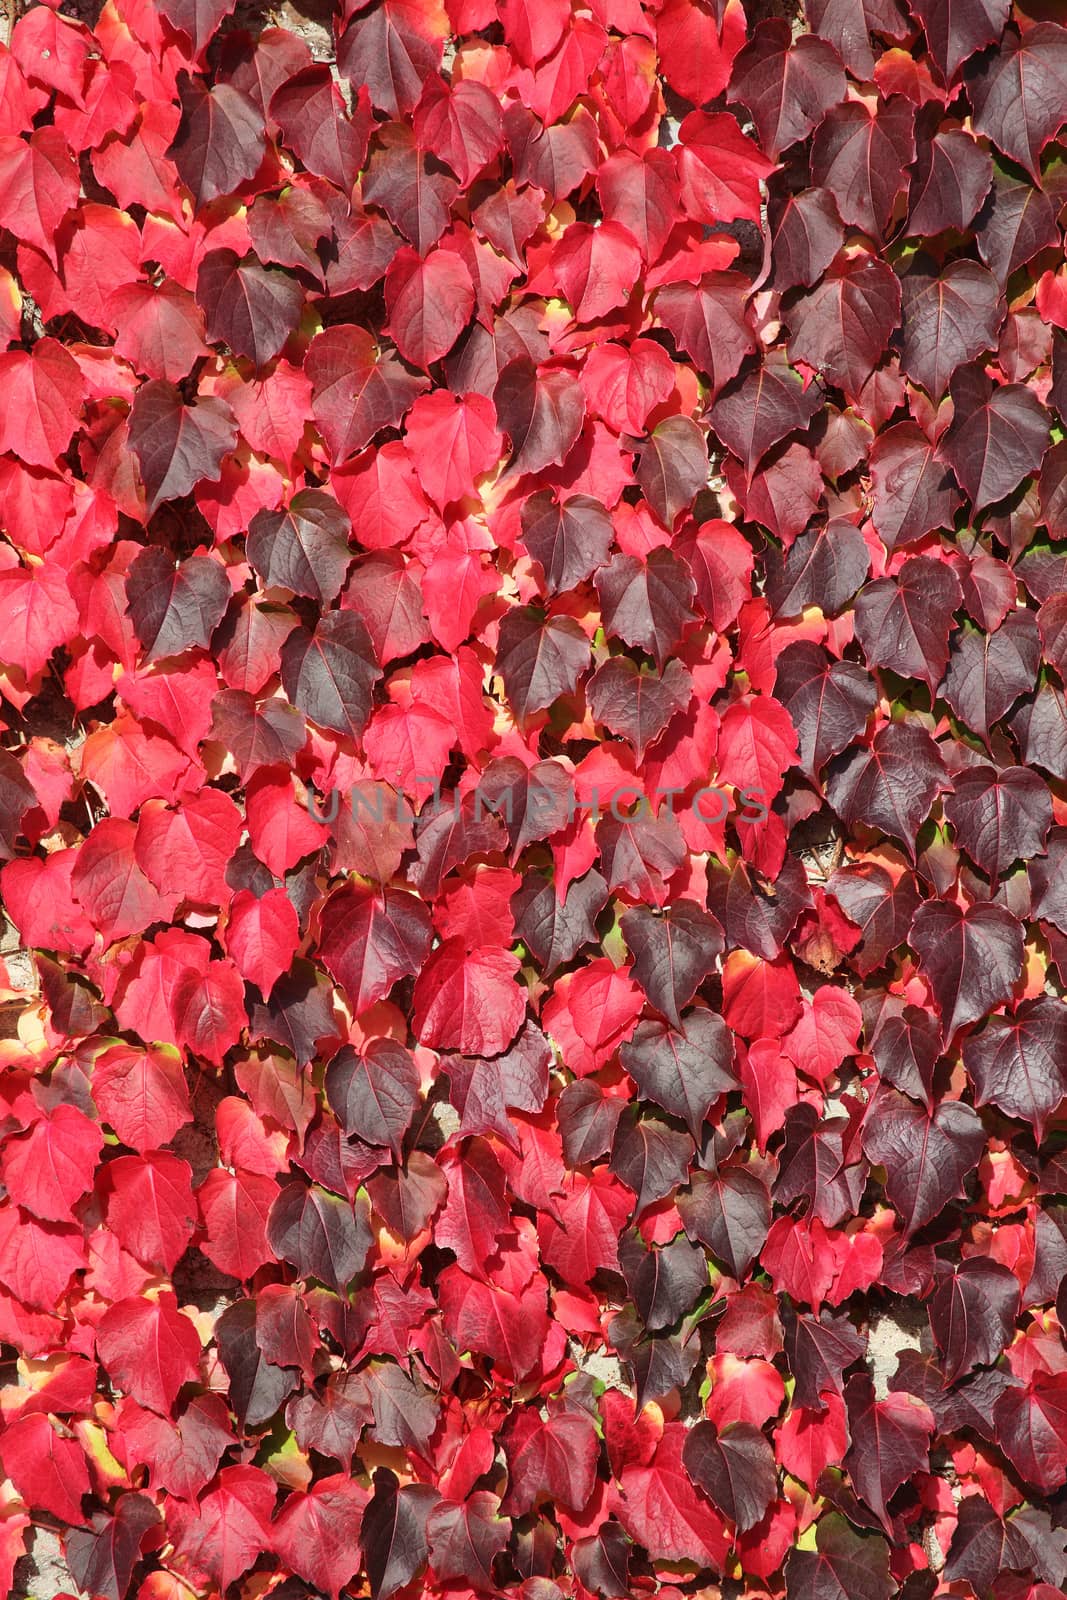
{"x":533,"y":645}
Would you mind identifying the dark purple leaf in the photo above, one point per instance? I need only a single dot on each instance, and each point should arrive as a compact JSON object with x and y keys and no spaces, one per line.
{"x":807,"y":234}
{"x":997,"y":436}
{"x":533,"y":802}
{"x":1053,"y":493}
{"x":707,"y":323}
{"x":541,"y":413}
{"x":672,"y":953}
{"x":756,"y":411}
{"x":913,"y":490}
{"x":999,"y":816}
{"x":952,"y":178}
{"x":330,"y":674}
{"x":484,"y":1091}
{"x":413,"y":190}
{"x":1031,"y":1425}
{"x":649,"y":1157}
{"x":972,"y":959}
{"x":452,"y":829}
{"x":848,"y":24}
{"x":299,"y":1015}
{"x":1019,"y":92}
{"x":890,"y":784}
{"x":102,"y":1558}
{"x":175,"y":608}
{"x":639,"y":853}
{"x":539,"y":659}
{"x":356,"y":388}
{"x":405,"y":1411}
{"x":735,"y":1468}
{"x":987,"y":672}
{"x":729,"y":1211}
{"x":841,"y":327}
{"x":818,"y":1352}
{"x":845,"y":1565}
{"x":828,"y":701}
{"x":465,"y":1538}
{"x":17,"y":796}
{"x":568,"y":539}
{"x":1048,"y":882}
{"x":880,"y":908}
{"x":200,"y":21}
{"x":823,"y":568}
{"x":314,"y":123}
{"x":257,"y":736}
{"x":788,"y":85}
{"x":1019,"y":1063}
{"x":322,"y":1235}
{"x":220,"y":140}
{"x":371,"y":938}
{"x":926,"y":1158}
{"x":972,"y":1314}
{"x":956,"y":29}
{"x":903,"y":623}
{"x":304,"y":548}
{"x":817,"y":1164}
{"x":755,"y":913}
{"x":664,"y":1283}
{"x":638,"y":705}
{"x":890,"y":1443}
{"x":672,"y":467}
{"x":177,"y":445}
{"x":983,"y":1546}
{"x":257,"y":1388}
{"x":861,"y":156}
{"x":392,"y":53}
{"x":1040,"y":728}
{"x":906,"y":1048}
{"x":250,"y":307}
{"x":683,"y":1069}
{"x":1016,"y":222}
{"x":394,"y":1532}
{"x":948,"y":318}
{"x":602,"y":1563}
{"x":408,"y":1196}
{"x":647,"y":603}
{"x":587,"y":1120}
{"x":375,"y":1094}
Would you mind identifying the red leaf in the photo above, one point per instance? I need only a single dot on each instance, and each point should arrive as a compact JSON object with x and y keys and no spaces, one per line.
{"x":262,"y":936}
{"x":49,"y":1168}
{"x":234,"y":1207}
{"x":141,"y":1094}
{"x":697,"y":43}
{"x":757,"y":744}
{"x":555,"y":1458}
{"x":150,"y":1206}
{"x":468,"y":1001}
{"x":354,"y":391}
{"x":47,"y":1467}
{"x":454,"y":442}
{"x":43,"y":391}
{"x":38,"y":186}
{"x":317,"y":1534}
{"x":474,"y":1216}
{"x":658,"y":1506}
{"x":149,"y":1348}
{"x":223,"y":1534}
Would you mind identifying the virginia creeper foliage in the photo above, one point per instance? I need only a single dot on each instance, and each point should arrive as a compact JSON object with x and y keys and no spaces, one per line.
{"x":533,"y":651}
